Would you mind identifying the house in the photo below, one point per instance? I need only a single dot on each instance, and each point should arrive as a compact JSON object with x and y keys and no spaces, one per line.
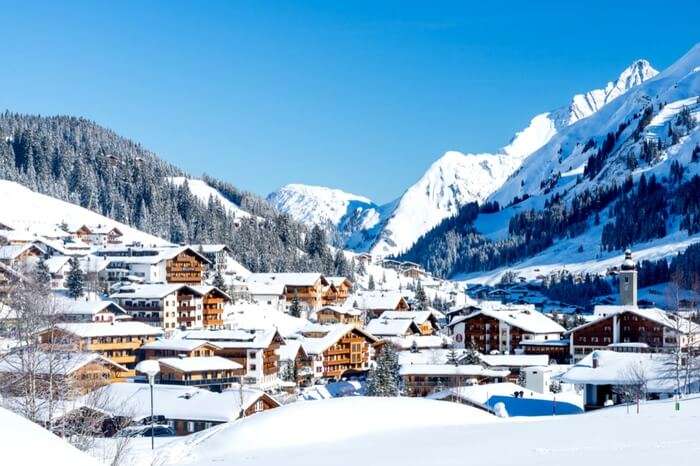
{"x":513,"y":363}
{"x":292,"y":354}
{"x":308,"y":288}
{"x":117,"y":341}
{"x":218,"y":255}
{"x":256,"y":351}
{"x":628,"y":327}
{"x":58,"y":267}
{"x":338,"y":350}
{"x":185,"y":409}
{"x":99,"y":235}
{"x":337,"y":291}
{"x":384,"y":328}
{"x":556,"y":350}
{"x":168,"y":306}
{"x":81,"y":371}
{"x":213,"y":302}
{"x":176,"y":347}
{"x":271,"y":294}
{"x":608,"y":377}
{"x":8,"y":278}
{"x":212,"y":372}
{"x":339,"y":315}
{"x":495,"y":326}
{"x":374,"y":303}
{"x":427,"y":321}
{"x":20,"y":254}
{"x":69,"y":310}
{"x":424,"y":379}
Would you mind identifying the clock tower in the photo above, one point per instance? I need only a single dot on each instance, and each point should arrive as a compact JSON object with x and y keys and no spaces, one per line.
{"x":628,"y":281}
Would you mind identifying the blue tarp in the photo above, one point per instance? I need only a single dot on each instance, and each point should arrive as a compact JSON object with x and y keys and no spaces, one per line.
{"x":533,"y":406}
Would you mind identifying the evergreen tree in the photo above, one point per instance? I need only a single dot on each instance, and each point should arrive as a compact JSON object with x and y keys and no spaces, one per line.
{"x":522,"y":378}
{"x":384,"y":378}
{"x":41,"y":273}
{"x":218,"y":281}
{"x":471,"y":356}
{"x":371,"y":284}
{"x":295,"y":306}
{"x":421,"y":297}
{"x":452,"y":356}
{"x":75,"y":282}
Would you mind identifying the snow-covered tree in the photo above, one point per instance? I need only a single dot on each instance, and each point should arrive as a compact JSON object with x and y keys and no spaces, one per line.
{"x":42,"y":276}
{"x":75,"y":282}
{"x":421,"y":297}
{"x":295,"y":306}
{"x":218,"y":281}
{"x":371,"y":284}
{"x":384,"y":378}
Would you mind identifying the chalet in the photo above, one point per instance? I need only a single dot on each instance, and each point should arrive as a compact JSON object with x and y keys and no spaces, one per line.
{"x":337,"y":292}
{"x":100,"y":235}
{"x":557,"y":350}
{"x":308,"y":288}
{"x":218,"y":255}
{"x":293,"y":353}
{"x":384,"y":328}
{"x":69,"y":310}
{"x":213,"y":302}
{"x":81,"y":371}
{"x":339,"y":315}
{"x":212,"y":372}
{"x":117,"y":341}
{"x":424,"y":379}
{"x":164,"y":305}
{"x":364,"y":258}
{"x":185,"y":409}
{"x":256,"y":351}
{"x":338,"y":350}
{"x":21,"y":254}
{"x":374,"y":303}
{"x":174,"y":265}
{"x":603,"y":373}
{"x":427,"y":321}
{"x":270,"y":294}
{"x":58,"y":267}
{"x":628,"y":327}
{"x":513,"y":363}
{"x":8,"y":278}
{"x":391,"y":264}
{"x":501,"y":327}
{"x":176,"y":347}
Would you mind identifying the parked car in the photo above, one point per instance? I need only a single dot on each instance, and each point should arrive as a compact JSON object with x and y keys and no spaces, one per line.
{"x":159,"y":430}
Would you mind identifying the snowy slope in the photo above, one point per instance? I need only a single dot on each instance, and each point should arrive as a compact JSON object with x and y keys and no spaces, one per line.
{"x":450,"y":182}
{"x":318,"y":205}
{"x":23,"y":208}
{"x":203,"y":192}
{"x":423,"y":432}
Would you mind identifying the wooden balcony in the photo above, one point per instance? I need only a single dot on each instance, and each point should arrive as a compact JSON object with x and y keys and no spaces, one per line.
{"x":123,"y":359}
{"x":129,"y":345}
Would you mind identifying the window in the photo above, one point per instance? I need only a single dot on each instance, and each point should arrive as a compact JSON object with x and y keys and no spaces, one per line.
{"x":190,"y":426}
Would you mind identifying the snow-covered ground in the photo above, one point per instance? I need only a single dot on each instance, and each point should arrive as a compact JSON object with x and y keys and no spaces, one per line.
{"x":402,"y":432}
{"x":23,"y":208}
{"x":203,"y":192}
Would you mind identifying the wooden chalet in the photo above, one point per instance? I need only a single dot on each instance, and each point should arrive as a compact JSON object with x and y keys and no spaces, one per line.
{"x":338,"y":349}
{"x":374,"y":303}
{"x":308,"y":288}
{"x":212,"y":372}
{"x":117,"y":341}
{"x":337,"y":292}
{"x":424,"y":379}
{"x":339,"y":315}
{"x":213,"y":302}
{"x":185,"y":267}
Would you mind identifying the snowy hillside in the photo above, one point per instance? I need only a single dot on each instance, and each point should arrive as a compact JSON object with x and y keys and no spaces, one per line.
{"x":388,"y":431}
{"x":203,"y":192}
{"x":318,"y":205}
{"x":24,"y":209}
{"x":450,"y":182}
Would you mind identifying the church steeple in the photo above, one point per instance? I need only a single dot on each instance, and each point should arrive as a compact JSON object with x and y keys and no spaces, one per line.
{"x":628,"y":281}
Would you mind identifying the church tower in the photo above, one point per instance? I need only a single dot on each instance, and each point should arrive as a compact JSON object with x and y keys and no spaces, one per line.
{"x":628,"y":281}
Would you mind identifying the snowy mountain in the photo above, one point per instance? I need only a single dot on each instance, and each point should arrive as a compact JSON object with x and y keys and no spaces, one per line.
{"x":452,"y":181}
{"x":625,"y":175}
{"x":318,"y":205}
{"x":203,"y":192}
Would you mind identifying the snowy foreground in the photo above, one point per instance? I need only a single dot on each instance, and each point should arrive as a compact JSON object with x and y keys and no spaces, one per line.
{"x":387,"y":432}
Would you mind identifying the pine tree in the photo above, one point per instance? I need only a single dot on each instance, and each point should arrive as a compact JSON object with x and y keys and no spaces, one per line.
{"x":522,"y":378}
{"x":471,"y":357}
{"x":421,"y":297}
{"x":371,"y":284}
{"x":75,"y":282}
{"x":295,"y":306}
{"x":218,"y":281}
{"x":42,"y":274}
{"x":452,"y":356}
{"x":384,"y":378}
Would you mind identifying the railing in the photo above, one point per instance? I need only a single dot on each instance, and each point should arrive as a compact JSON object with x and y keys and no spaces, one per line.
{"x":201,"y":382}
{"x":129,"y":345}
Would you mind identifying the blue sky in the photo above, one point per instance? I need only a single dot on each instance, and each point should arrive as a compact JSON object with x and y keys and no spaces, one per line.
{"x":362,"y":96}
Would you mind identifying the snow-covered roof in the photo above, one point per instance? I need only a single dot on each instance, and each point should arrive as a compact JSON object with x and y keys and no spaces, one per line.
{"x":421,"y":341}
{"x":55,"y":263}
{"x":468,"y":370}
{"x":176,"y":344}
{"x":514,"y":360}
{"x":382,"y":300}
{"x":623,"y":368}
{"x":200,"y":363}
{"x":661,"y":317}
{"x":209,"y":248}
{"x":288,"y":279}
{"x":175,"y":402}
{"x":106,"y":329}
{"x":162,"y":253}
{"x":391,"y":327}
{"x":265,"y":289}
{"x":418,"y":317}
{"x":337,"y":281}
{"x":53,"y":363}
{"x":346,"y":310}
{"x":523,"y":316}
{"x":12,"y":251}
{"x":87,"y":307}
{"x":317,"y":345}
{"x":289,"y":351}
{"x":206,"y":289}
{"x":152,"y":291}
{"x":234,"y":338}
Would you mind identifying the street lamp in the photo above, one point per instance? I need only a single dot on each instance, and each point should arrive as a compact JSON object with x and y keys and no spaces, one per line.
{"x":150,"y":368}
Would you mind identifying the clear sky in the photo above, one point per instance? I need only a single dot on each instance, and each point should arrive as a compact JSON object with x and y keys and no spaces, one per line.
{"x":362,"y":96}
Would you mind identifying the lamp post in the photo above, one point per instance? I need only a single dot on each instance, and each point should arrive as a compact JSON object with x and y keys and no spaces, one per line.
{"x":150,"y":368}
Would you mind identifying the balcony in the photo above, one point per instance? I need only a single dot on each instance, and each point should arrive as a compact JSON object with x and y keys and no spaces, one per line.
{"x":129,"y":345}
{"x":186,"y":308}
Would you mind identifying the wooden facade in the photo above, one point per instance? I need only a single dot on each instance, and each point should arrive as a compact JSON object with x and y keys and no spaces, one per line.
{"x":349,"y":353}
{"x":213,"y":308}
{"x":312,"y":295}
{"x":213,"y":379}
{"x":332,"y":315}
{"x":185,"y":268}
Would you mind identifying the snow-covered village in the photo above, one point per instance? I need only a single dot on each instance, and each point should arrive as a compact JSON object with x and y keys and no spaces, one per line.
{"x":186,"y":277}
